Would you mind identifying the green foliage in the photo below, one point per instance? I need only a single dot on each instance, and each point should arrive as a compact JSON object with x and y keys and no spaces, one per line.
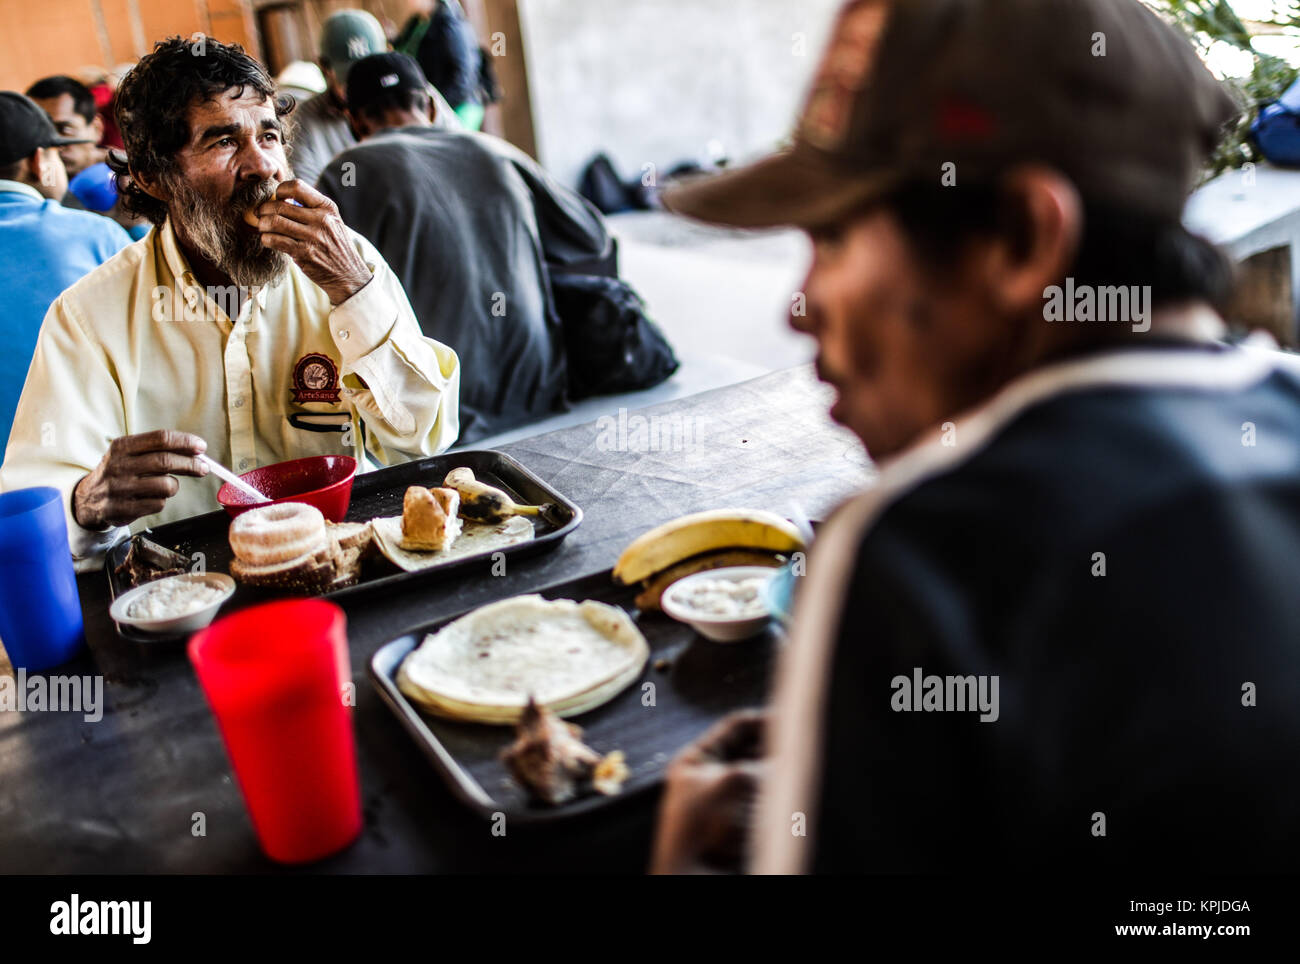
{"x":1211,"y":21}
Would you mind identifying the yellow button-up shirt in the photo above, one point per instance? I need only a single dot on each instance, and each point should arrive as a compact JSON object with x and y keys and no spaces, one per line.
{"x":139,"y":345}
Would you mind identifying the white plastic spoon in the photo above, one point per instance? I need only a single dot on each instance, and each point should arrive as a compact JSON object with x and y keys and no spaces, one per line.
{"x":221,"y":472}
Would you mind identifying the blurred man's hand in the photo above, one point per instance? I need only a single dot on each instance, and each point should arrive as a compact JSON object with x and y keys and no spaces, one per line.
{"x":134,"y":478}
{"x":709,"y":797}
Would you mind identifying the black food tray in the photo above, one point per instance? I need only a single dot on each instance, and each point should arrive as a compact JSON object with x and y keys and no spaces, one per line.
{"x":374,"y":494}
{"x":702,"y":682}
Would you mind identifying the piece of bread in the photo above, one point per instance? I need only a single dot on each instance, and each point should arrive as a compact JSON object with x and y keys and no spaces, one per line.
{"x":311,"y":573}
{"x":283,"y":550}
{"x":351,"y":535}
{"x":333,"y":565}
{"x":347,"y":568}
{"x":429,"y":522}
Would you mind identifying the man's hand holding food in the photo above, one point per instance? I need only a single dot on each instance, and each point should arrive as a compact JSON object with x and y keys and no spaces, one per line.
{"x":710,"y":793}
{"x":305,"y":225}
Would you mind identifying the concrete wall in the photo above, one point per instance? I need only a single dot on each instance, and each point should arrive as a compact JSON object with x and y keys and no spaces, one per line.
{"x":654,"y":81}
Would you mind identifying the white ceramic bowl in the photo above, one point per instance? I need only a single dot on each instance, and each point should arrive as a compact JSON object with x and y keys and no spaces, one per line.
{"x":720,"y":629}
{"x":175,"y":625}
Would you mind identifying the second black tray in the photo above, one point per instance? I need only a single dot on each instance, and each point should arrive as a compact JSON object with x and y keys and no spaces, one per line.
{"x":695,"y":682}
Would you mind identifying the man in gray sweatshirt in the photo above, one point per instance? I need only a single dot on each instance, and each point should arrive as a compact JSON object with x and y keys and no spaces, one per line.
{"x":470,"y":225}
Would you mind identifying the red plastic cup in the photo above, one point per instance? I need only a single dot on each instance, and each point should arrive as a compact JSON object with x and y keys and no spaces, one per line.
{"x":274,"y":676}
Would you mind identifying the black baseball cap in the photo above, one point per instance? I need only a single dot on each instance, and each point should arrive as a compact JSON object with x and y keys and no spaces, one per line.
{"x":372,"y":78}
{"x":24,"y":127}
{"x":1102,"y":90}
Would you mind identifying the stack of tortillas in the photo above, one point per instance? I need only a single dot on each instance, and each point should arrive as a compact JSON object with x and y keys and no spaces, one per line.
{"x":570,"y":656}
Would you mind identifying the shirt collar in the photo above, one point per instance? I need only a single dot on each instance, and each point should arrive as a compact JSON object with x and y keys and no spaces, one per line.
{"x":17,"y":187}
{"x":1201,"y":364}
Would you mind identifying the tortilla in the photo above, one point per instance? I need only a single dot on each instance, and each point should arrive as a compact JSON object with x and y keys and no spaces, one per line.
{"x":570,"y":657}
{"x":475,"y":538}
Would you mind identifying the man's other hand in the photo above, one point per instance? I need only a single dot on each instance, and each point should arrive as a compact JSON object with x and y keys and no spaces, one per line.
{"x":709,"y":798}
{"x":134,"y":478}
{"x":312,"y":233}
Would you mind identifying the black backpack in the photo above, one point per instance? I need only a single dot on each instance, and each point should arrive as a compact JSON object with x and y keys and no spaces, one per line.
{"x":612,"y":346}
{"x":601,"y":185}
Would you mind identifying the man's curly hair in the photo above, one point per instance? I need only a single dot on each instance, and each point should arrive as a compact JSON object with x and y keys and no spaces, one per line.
{"x":154,"y":98}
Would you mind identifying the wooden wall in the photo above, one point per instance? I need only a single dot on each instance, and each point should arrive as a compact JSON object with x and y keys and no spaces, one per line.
{"x":62,"y":36}
{"x":43,"y":37}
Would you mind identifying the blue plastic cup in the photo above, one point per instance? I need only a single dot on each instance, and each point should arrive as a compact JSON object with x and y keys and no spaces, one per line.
{"x":95,"y":188}
{"x":40,"y":612}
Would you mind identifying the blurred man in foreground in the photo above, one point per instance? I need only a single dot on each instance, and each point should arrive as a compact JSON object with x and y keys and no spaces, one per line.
{"x":251,"y":323}
{"x":469,"y":224}
{"x":1061,"y":630}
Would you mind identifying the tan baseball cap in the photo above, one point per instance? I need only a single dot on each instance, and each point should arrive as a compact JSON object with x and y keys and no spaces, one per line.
{"x":957,"y":90}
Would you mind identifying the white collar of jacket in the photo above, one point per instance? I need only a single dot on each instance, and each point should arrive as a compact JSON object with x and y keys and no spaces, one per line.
{"x":795,"y":738}
{"x":18,"y":187}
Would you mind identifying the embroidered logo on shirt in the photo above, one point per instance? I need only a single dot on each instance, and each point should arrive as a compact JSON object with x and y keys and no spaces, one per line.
{"x":315,"y":379}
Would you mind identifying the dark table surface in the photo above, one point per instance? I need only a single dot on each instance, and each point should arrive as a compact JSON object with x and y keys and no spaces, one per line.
{"x":122,"y":794}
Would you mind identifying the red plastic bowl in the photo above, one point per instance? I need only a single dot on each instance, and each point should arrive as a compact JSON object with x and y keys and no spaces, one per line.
{"x":324,"y":481}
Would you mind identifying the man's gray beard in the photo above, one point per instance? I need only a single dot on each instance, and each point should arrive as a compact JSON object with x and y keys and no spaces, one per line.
{"x":217,"y":231}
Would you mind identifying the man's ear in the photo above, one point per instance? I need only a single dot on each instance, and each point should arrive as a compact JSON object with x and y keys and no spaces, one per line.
{"x":43,"y":167}
{"x":358,"y":124}
{"x":35,"y":166}
{"x":1051,"y":212}
{"x":151,"y":186}
{"x":97,"y":126}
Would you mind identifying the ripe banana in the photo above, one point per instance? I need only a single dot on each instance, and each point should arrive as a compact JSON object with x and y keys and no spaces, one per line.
{"x":657,"y":585}
{"x":670,"y":543}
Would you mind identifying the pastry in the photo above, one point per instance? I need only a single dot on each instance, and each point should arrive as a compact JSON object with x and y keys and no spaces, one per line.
{"x":277,"y":534}
{"x":429,"y":522}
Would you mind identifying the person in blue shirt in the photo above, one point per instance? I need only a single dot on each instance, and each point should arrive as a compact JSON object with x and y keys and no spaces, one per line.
{"x":44,"y":247}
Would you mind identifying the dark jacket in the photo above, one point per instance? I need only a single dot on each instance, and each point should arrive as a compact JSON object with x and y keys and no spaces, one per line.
{"x":469,"y":224}
{"x":1124,"y":691}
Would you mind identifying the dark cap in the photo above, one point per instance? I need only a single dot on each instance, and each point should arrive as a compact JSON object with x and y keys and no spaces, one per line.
{"x":375,"y":77}
{"x":959,"y":90}
{"x":24,"y":127}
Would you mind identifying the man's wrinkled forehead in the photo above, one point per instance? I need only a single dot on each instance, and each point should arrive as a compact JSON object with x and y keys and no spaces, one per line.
{"x":230,"y":112}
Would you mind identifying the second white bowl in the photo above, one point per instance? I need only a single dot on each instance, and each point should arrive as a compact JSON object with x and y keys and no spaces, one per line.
{"x":720,"y":629}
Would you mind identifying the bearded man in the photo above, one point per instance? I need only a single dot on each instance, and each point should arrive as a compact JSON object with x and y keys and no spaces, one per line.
{"x":251,"y":324}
